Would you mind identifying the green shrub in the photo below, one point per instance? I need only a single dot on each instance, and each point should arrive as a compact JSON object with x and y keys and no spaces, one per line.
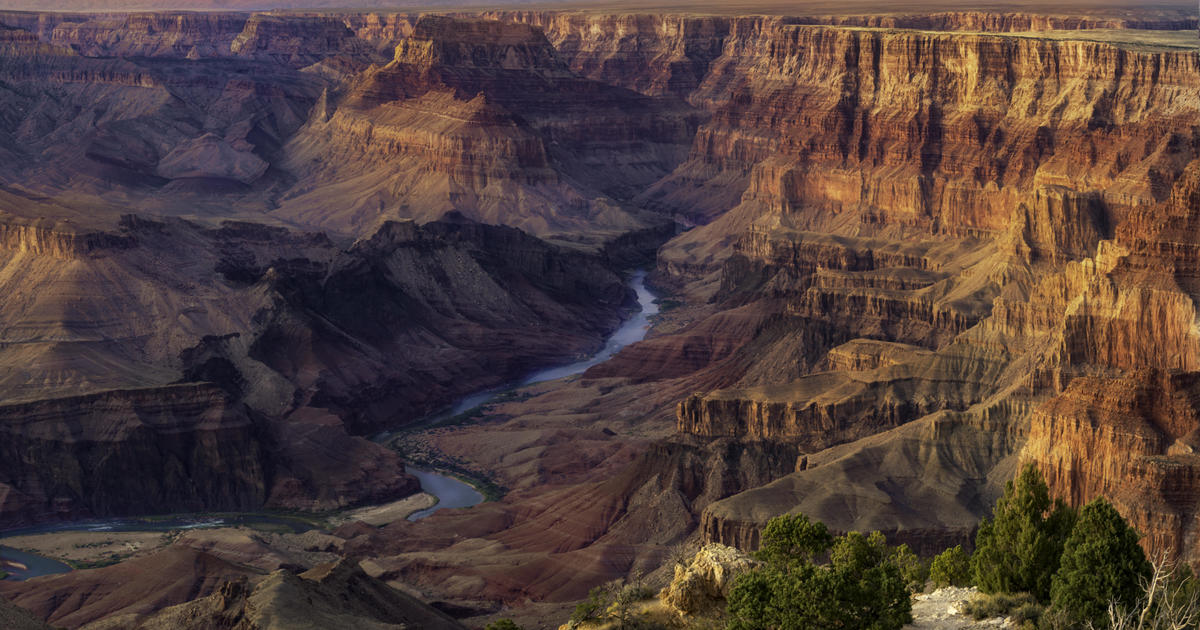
{"x":1102,"y":563}
{"x":591,"y":607}
{"x":861,"y":588}
{"x":792,"y":539}
{"x":503,"y":624}
{"x":952,"y":567}
{"x":1018,"y":550}
{"x":913,"y":570}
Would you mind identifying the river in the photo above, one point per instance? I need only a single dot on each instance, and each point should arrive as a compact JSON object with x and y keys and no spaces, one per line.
{"x":451,"y":492}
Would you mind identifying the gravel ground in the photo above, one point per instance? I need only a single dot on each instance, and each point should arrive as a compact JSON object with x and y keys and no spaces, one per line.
{"x":939,"y":610}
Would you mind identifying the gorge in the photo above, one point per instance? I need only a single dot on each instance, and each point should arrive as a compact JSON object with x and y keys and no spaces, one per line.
{"x":281,"y":262}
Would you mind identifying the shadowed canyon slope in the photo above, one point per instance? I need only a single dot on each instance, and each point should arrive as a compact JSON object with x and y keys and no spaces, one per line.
{"x":899,"y":255}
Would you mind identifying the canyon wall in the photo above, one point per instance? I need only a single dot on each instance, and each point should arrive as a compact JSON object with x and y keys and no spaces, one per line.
{"x":972,"y":222}
{"x":179,"y":449}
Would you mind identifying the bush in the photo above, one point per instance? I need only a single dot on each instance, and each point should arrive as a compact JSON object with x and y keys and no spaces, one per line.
{"x":1102,"y":563}
{"x":503,"y":624}
{"x":591,"y":607}
{"x":952,"y":567}
{"x":860,"y":588}
{"x":624,"y":596}
{"x":1027,"y":613}
{"x":792,"y":539}
{"x":913,"y":570}
{"x":1018,"y":551}
{"x":987,"y":606}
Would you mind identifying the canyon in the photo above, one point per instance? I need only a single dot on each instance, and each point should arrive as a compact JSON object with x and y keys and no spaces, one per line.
{"x":897,"y":254}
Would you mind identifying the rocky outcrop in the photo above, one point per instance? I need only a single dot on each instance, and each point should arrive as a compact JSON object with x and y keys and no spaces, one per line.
{"x":296,"y":40}
{"x":707,"y":580}
{"x":57,"y":240}
{"x":143,"y":122}
{"x":924,"y":483}
{"x":417,"y":316}
{"x":381,"y":29}
{"x":1001,"y":22}
{"x":820,"y":411}
{"x":859,"y":355}
{"x":181,"y":448}
{"x":657,"y":53}
{"x":912,"y":165}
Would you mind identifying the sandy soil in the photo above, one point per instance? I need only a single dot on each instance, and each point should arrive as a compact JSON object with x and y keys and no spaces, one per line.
{"x":380,"y":515}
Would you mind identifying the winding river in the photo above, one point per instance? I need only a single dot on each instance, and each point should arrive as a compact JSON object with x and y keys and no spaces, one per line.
{"x":453,"y":493}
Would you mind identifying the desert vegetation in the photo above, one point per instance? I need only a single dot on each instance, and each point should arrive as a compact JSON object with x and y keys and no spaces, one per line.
{"x":1037,"y":563}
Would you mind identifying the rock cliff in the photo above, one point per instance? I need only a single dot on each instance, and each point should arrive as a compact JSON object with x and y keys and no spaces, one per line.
{"x":178,"y":449}
{"x":951,"y":291}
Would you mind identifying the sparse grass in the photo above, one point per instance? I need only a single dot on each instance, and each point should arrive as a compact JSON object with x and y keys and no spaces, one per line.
{"x":3,"y":574}
{"x":95,"y":564}
{"x":92,"y":545}
{"x":668,"y":304}
{"x":984,"y":606}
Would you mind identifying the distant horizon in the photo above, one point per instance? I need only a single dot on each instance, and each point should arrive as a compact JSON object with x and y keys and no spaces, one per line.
{"x":778,"y":7}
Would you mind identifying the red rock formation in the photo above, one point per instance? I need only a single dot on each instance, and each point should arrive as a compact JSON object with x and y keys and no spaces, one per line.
{"x":902,"y":223}
{"x":1129,"y":439}
{"x":484,"y":118}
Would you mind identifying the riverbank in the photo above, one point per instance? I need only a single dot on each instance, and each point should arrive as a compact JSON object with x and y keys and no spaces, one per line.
{"x":415,"y":443}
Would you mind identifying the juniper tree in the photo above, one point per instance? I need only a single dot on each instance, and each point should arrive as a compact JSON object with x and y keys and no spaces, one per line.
{"x":1018,"y":549}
